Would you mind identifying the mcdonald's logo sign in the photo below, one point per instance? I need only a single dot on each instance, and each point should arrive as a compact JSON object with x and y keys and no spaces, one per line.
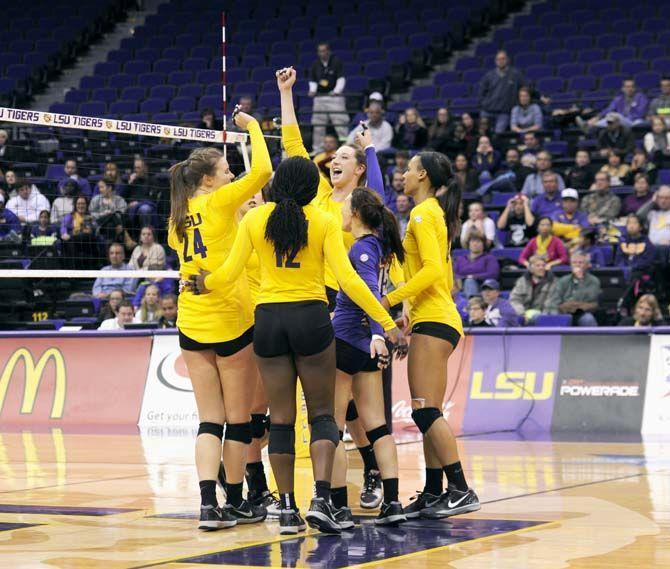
{"x":34,"y":373}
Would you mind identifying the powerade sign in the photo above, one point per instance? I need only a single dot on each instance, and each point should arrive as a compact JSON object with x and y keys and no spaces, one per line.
{"x":601,"y":383}
{"x":512,"y":377}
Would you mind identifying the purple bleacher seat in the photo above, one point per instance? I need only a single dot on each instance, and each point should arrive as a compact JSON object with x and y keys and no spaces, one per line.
{"x":382,"y":29}
{"x":568,"y":70}
{"x":430,"y":105}
{"x":151,"y":79}
{"x":255,"y":49}
{"x":444,"y":77}
{"x":209,"y":76}
{"x":377,"y":69}
{"x":174,"y":53}
{"x":253,"y":61}
{"x":611,"y":81}
{"x":622,"y":53}
{"x":663,"y":176}
{"x":501,"y":198}
{"x":371,"y":55}
{"x":507,"y":253}
{"x":195,"y":63}
{"x":162,"y":91}
{"x":349,"y":68}
{"x":473,"y":76}
{"x":210,"y":102}
{"x":399,"y":55}
{"x":535,"y":72}
{"x":192,"y":117}
{"x":268,"y":37}
{"x":424,"y":92}
{"x":76,"y":96}
{"x":148,"y":54}
{"x":600,"y":68}
{"x":190,"y":90}
{"x":137,"y":66}
{"x":64,"y":108}
{"x":215,"y":89}
{"x":527,"y":59}
{"x":580,"y":42}
{"x":609,"y":41}
{"x":467,"y":62}
{"x":624,"y":27}
{"x":93,"y":109}
{"x":105,"y":94}
{"x":387,"y":42}
{"x":236,"y":75}
{"x":357,"y":84}
{"x":564,"y":30}
{"x":554,"y":320}
{"x":107,"y":68}
{"x":180,"y":77}
{"x":207,"y":52}
{"x":261,"y":74}
{"x":419,"y":41}
{"x":661,"y":65}
{"x":581,"y":83}
{"x":559,"y":57}
{"x":486,"y":50}
{"x":123,"y":107}
{"x":502,"y":36}
{"x":591,"y":55}
{"x":655,"y":25}
{"x":278,"y":60}
{"x":289,"y":47}
{"x":267,"y":100}
{"x":120,"y":55}
{"x":134,"y":93}
{"x":246,"y":88}
{"x":633,"y":66}
{"x":336,"y":44}
{"x":354,"y":31}
{"x":182,"y":104}
{"x":647,"y":80}
{"x":455,"y":90}
{"x":121,"y":80}
{"x":663,"y":38}
{"x":21,"y":45}
{"x":152,"y":106}
{"x":547,"y":44}
{"x":652,"y":51}
{"x":550,"y":85}
{"x":166,"y":65}
{"x":137,"y":117}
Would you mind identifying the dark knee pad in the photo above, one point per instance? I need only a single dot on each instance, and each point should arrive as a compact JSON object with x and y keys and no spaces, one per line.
{"x":352,"y":412}
{"x":375,"y":434}
{"x":282,"y":439}
{"x":257,"y":425}
{"x":324,"y":428}
{"x":267,"y":423}
{"x":425,"y":417}
{"x":211,"y":429}
{"x":240,"y":432}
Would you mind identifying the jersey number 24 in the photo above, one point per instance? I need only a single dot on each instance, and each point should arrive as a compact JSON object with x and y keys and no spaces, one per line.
{"x":198,"y":246}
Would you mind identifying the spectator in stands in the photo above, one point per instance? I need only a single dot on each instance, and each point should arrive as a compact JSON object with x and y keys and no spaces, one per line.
{"x":124,"y":315}
{"x":107,"y":210}
{"x":615,"y":137}
{"x":169,"y":309}
{"x":464,"y":176}
{"x":513,"y":164}
{"x":532,"y":290}
{"x":517,"y":221}
{"x":412,"y":133}
{"x":111,"y":308}
{"x":478,"y":222}
{"x":600,"y":203}
{"x":549,"y":202}
{"x":44,"y":227}
{"x":400,"y":161}
{"x":64,"y":203}
{"x":113,"y":174}
{"x":8,"y":185}
{"x":635,"y":253}
{"x":10,"y":224}
{"x":441,"y":128}
{"x":326,"y":84}
{"x":70,"y":168}
{"x":614,"y":167}
{"x":471,"y":270}
{"x":8,"y":153}
{"x":104,"y":286}
{"x":656,"y":212}
{"x":580,"y":176}
{"x":380,"y":129}
{"x":657,"y":142}
{"x":29,"y":202}
{"x":454,"y":143}
{"x":546,"y":244}
{"x":148,"y":254}
{"x":470,"y":133}
{"x":486,"y":160}
{"x":498,"y":92}
{"x":526,"y":116}
{"x":570,"y":214}
{"x":642,"y":194}
{"x":477,"y":313}
{"x":140,"y":194}
{"x":403,"y":209}
{"x":499,"y":312}
{"x":647,"y":313}
{"x":534,"y":184}
{"x":324,"y":158}
{"x":531,"y":144}
{"x":78,"y":234}
{"x":577,"y":293}
{"x":588,"y":247}
{"x":641,"y":165}
{"x":660,"y":106}
{"x":246,"y":104}
{"x":484,"y":128}
{"x":630,"y":106}
{"x":150,"y":307}
{"x":391,"y":192}
{"x":208,"y":120}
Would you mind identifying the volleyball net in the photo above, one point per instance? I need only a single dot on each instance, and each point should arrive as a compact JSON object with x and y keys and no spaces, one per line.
{"x":80,"y":194}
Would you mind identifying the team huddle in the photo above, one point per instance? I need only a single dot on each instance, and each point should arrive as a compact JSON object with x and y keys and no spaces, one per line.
{"x":290,"y":280}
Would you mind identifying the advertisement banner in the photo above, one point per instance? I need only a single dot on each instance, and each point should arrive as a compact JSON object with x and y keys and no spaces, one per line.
{"x":168,"y":395}
{"x":601,"y":383}
{"x":458,"y":370}
{"x":512,"y":382}
{"x":72,"y":381}
{"x":657,"y":398}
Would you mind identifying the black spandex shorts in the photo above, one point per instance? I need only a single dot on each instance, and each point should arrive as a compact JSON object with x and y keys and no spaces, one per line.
{"x":302,"y":328}
{"x":438,"y":330}
{"x":331,"y":293}
{"x":351,"y":360}
{"x":222,"y":349}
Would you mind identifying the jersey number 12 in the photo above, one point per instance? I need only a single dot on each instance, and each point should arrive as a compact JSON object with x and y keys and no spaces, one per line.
{"x":288,"y":263}
{"x":198,"y":246}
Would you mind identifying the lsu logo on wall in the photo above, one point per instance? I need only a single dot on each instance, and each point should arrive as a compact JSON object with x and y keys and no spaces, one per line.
{"x":514,"y":385}
{"x":34,"y":372}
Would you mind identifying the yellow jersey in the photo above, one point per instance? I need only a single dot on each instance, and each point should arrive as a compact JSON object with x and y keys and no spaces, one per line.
{"x":302,"y":277}
{"x":429,"y":274}
{"x":210,"y":232}
{"x":253,"y":269}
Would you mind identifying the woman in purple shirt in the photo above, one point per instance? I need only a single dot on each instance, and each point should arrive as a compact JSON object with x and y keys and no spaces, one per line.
{"x":362,"y":352}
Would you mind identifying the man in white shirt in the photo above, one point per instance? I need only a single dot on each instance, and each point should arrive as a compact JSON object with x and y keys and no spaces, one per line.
{"x":28,"y":204}
{"x":124,"y":315}
{"x":380,"y":129}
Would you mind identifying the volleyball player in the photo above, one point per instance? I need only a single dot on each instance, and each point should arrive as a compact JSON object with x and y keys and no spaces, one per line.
{"x":348,"y":168}
{"x":436,"y":330}
{"x":215,"y":332}
{"x":362,"y":353}
{"x":293,"y":336}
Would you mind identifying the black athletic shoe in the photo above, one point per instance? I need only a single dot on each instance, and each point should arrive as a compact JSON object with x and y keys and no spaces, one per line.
{"x":246,"y":513}
{"x":344,"y":517}
{"x":320,"y":516}
{"x":419,"y":502}
{"x":221,"y":479}
{"x":291,"y":522}
{"x":266,"y":499}
{"x":391,"y":514}
{"x":213,"y":518}
{"x":371,"y":494}
{"x":451,"y":503}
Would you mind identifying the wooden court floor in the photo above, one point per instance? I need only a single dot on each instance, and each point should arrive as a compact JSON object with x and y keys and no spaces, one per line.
{"x":127,"y":501}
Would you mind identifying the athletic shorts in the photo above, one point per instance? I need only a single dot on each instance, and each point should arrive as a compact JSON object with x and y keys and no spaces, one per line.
{"x":438,"y":330}
{"x":222,"y":349}
{"x":351,"y":360}
{"x":331,"y":294}
{"x":301,"y":328}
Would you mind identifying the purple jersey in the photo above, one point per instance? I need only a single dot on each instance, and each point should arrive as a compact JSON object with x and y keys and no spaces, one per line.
{"x":351,"y":323}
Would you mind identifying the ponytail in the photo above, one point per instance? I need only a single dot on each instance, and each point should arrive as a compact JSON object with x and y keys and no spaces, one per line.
{"x":295,"y":185}
{"x":367,"y":204}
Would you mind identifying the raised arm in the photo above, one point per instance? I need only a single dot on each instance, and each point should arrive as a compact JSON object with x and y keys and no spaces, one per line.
{"x":239,"y":255}
{"x":374,"y":171}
